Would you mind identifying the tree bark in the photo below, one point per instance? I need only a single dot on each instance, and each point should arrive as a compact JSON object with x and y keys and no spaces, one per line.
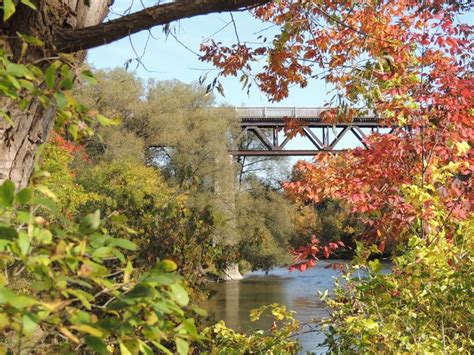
{"x":31,"y":127}
{"x":20,"y":142}
{"x":72,"y":40}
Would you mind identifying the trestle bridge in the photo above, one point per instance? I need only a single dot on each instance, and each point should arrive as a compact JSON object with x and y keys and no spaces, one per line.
{"x":267,"y":123}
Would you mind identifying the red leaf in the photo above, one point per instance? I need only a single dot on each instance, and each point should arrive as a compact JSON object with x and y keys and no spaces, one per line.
{"x":382,"y":246}
{"x":326,"y":252}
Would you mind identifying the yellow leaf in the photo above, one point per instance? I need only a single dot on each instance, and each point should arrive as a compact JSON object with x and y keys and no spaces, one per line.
{"x":69,"y":335}
{"x":462,"y":147}
{"x":88,"y":329}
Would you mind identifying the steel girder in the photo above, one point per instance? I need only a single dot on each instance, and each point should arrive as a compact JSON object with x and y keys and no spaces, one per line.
{"x":266,"y":123}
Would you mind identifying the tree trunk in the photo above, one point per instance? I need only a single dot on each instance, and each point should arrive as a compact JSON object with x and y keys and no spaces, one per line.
{"x":31,"y":127}
{"x":19,"y":143}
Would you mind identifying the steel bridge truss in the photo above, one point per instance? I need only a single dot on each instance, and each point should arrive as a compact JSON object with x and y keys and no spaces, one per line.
{"x":266,"y":125}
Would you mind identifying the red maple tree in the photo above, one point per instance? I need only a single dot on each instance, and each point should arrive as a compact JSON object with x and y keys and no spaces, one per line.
{"x":410,"y":61}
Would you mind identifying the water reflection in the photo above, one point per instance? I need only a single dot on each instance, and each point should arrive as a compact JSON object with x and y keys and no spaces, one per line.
{"x":298,"y":291}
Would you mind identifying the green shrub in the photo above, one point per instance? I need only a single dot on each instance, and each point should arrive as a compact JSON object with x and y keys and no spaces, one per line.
{"x":71,"y":287}
{"x":423,"y":306}
{"x":56,"y":157}
{"x":166,"y":224}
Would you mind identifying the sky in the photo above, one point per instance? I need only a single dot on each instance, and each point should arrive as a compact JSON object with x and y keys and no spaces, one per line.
{"x":164,"y":58}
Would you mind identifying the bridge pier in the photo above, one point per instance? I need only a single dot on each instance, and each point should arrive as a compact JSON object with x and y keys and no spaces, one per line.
{"x":224,"y":188}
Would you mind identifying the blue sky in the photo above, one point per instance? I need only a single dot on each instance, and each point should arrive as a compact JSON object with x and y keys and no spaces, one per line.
{"x":166,"y":59}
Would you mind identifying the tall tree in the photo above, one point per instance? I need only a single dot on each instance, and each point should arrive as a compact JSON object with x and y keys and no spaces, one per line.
{"x":70,"y":26}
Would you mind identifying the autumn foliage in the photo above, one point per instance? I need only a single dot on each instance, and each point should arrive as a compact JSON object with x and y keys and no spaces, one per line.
{"x":408,"y":61}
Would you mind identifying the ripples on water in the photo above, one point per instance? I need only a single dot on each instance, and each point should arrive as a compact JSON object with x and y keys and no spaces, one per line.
{"x":298,"y":291}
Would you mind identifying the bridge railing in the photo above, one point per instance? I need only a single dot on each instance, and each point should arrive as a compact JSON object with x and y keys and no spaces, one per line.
{"x":278,"y":113}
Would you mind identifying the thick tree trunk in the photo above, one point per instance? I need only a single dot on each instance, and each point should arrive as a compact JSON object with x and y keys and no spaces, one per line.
{"x":19,"y":143}
{"x":31,"y":127}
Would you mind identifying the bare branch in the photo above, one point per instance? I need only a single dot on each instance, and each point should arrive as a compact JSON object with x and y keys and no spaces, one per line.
{"x":68,"y":41}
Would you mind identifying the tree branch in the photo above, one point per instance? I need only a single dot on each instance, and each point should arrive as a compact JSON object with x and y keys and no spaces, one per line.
{"x":69,"y":41}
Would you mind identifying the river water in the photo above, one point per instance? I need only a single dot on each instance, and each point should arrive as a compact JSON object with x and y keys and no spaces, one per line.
{"x":297,"y":290}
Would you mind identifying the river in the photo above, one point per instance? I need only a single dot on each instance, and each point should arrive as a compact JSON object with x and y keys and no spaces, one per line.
{"x":297,"y":290}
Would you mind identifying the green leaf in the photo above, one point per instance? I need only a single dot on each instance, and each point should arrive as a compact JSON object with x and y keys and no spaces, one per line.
{"x":4,"y":321}
{"x":118,"y":305}
{"x":24,"y":196}
{"x":188,"y":325}
{"x":108,"y":323}
{"x":73,"y":130}
{"x":13,"y":81}
{"x":9,"y":297}
{"x":50,"y":76}
{"x":182,"y":346}
{"x":24,"y":243}
{"x":127,"y":272}
{"x":104,"y":121}
{"x":61,"y":100}
{"x":28,"y":85}
{"x":140,"y":291}
{"x":7,"y":193}
{"x":8,"y":233}
{"x":18,"y":70}
{"x":179,"y":294}
{"x":66,"y":84}
{"x":103,"y":252}
{"x":200,"y":311}
{"x":145,"y":349}
{"x":24,"y":216}
{"x":124,"y":350}
{"x":89,"y":77}
{"x":29,"y":4}
{"x":79,"y":282}
{"x":6,"y":295}
{"x":131,"y":345}
{"x":96,"y":344}
{"x":82,"y":296}
{"x":34,"y":41}
{"x":161,"y":279}
{"x":8,"y":9}
{"x":375,"y":265}
{"x":123,"y":243}
{"x":44,"y":202}
{"x":44,"y":236}
{"x":120,"y":256}
{"x":160,"y":346}
{"x":29,"y":325}
{"x":90,"y":223}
